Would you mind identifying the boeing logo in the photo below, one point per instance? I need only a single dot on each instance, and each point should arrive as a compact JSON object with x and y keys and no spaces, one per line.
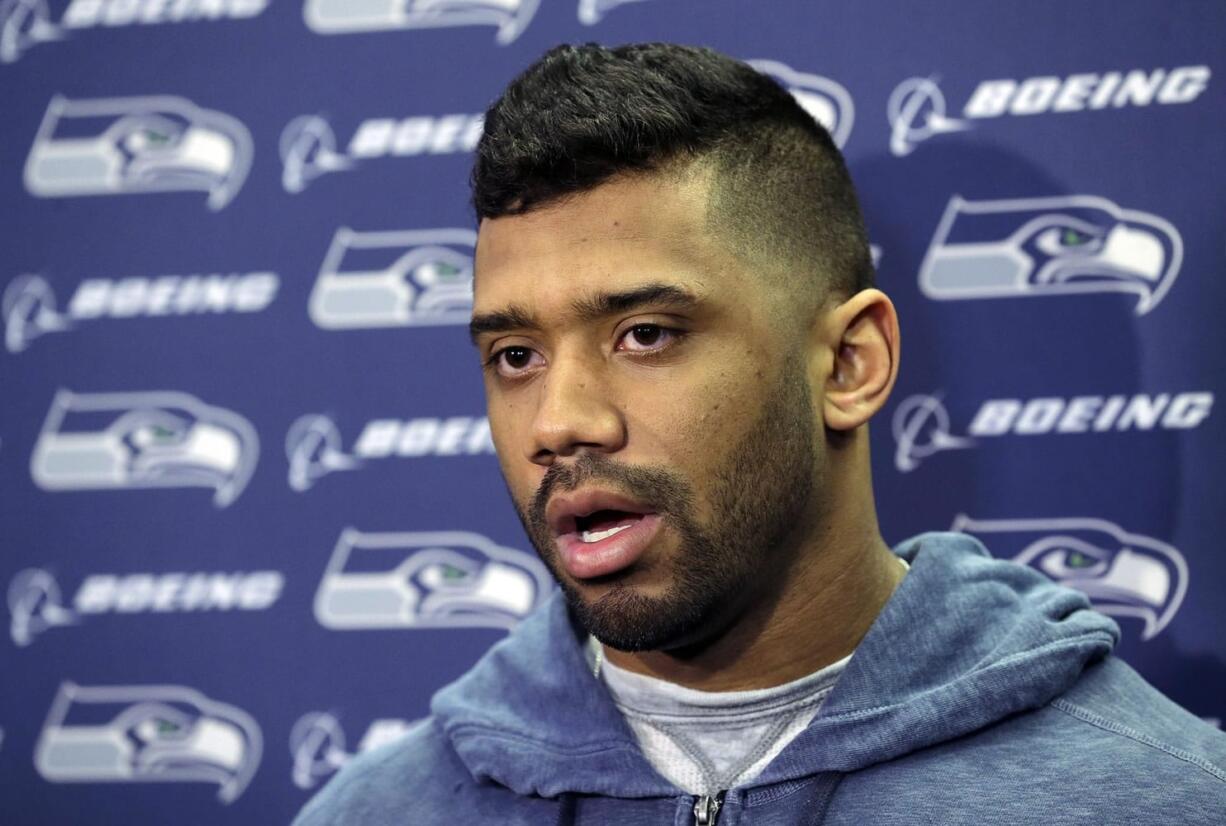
{"x":36,"y":603}
{"x":147,"y":734}
{"x":407,"y":278}
{"x":917,"y":108}
{"x":29,"y":308}
{"x":445,"y":579}
{"x":1050,"y":246}
{"x":158,"y":439}
{"x":922,"y":428}
{"x":826,"y":101}
{"x":1123,"y":574}
{"x":509,"y":17}
{"x":317,"y":744}
{"x":309,"y":145}
{"x":114,"y":146}
{"x":917,"y":111}
{"x":26,"y":23}
{"x":315,"y":448}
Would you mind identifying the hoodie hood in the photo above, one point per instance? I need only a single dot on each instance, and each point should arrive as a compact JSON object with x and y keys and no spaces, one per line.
{"x":965,"y":641}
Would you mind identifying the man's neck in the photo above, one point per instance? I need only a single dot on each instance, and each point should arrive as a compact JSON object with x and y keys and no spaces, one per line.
{"x":821,"y":611}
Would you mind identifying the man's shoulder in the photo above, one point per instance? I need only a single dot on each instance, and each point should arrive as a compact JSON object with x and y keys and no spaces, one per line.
{"x":383,"y":785}
{"x":417,"y":779}
{"x":1110,"y":749}
{"x":1112,"y":703}
{"x":1109,"y":730}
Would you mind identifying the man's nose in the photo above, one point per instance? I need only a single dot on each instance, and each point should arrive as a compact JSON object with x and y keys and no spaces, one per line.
{"x":575,"y":411}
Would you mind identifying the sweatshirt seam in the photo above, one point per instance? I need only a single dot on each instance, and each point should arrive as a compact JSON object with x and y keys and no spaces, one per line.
{"x":469,"y":729}
{"x":720,"y":720}
{"x":763,"y":707}
{"x":852,"y":715}
{"x":1086,"y":716}
{"x":726,"y":715}
{"x":863,"y":713}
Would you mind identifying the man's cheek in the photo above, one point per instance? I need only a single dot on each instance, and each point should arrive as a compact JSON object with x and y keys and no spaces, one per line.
{"x":505,"y":435}
{"x":522,"y":479}
{"x":713,"y":417}
{"x":523,"y":492}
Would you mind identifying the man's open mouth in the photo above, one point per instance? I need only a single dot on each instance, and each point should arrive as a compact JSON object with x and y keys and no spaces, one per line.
{"x":593,"y":514}
{"x":600,"y":532}
{"x":604,"y":523}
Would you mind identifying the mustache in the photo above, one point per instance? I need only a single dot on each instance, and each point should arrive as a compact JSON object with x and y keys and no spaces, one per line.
{"x":656,"y":486}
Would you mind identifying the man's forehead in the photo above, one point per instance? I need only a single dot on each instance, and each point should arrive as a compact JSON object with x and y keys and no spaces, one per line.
{"x":585,"y":281}
{"x":616,"y":239}
{"x":642,"y":210}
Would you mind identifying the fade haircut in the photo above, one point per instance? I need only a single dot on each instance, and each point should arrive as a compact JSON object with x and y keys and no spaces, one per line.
{"x":780,"y":198}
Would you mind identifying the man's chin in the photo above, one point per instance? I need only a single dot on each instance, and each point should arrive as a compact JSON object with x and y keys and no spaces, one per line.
{"x":626,"y":618}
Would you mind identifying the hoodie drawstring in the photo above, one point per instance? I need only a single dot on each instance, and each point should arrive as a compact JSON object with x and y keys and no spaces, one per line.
{"x":567,"y":805}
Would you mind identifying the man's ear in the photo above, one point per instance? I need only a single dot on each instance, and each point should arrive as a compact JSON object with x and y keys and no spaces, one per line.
{"x":862,"y":334}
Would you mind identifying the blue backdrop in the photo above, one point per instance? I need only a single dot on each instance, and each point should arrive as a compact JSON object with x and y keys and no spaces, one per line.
{"x":250,"y":518}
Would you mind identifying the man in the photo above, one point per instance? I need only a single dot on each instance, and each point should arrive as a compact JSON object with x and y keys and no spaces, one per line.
{"x":682,"y":349}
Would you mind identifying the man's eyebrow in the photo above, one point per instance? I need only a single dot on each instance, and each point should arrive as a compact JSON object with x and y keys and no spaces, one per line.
{"x":512,"y":318}
{"x":585,"y":308}
{"x":589,"y":308}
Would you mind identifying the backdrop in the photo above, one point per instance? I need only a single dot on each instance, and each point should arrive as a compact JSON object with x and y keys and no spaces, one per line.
{"x":249,"y":511}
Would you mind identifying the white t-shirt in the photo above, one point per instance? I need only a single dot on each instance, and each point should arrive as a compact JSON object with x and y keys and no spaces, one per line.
{"x":706,"y":742}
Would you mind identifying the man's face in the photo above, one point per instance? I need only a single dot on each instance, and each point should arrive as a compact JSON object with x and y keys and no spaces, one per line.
{"x":650,"y":407}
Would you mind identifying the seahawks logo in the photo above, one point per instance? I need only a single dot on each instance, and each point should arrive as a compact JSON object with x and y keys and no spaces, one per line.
{"x":147,"y":734}
{"x":592,"y":12}
{"x":113,"y":146}
{"x":159,"y":439}
{"x":446,"y":579}
{"x":825,"y":100}
{"x":1125,"y":575}
{"x":509,"y":17}
{"x":395,"y":279}
{"x":1050,"y":246}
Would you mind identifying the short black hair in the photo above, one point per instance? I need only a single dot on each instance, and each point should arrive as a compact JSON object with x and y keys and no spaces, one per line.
{"x":781,"y":195}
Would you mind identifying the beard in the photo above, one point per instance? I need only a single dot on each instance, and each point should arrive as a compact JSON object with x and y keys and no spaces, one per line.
{"x":757,"y":497}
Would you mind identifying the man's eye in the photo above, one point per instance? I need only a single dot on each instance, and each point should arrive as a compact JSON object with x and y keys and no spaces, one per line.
{"x":510,"y":361}
{"x":647,"y":337}
{"x":516,"y":357}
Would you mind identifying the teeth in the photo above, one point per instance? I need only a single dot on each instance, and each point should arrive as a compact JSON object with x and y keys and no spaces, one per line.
{"x":596,"y":536}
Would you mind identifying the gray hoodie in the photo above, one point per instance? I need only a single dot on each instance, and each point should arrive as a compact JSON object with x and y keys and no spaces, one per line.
{"x":983,"y":693}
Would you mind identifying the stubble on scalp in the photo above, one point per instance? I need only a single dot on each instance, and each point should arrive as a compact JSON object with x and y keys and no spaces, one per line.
{"x":757,"y":498}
